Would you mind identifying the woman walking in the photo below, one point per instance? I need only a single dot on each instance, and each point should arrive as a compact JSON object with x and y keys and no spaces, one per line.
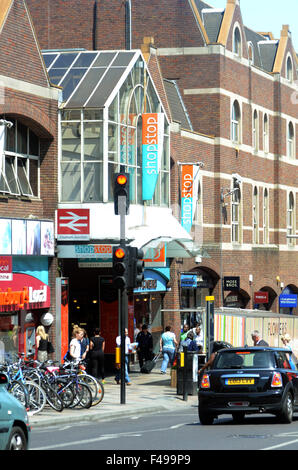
{"x":42,"y":339}
{"x":168,"y":345}
{"x":97,"y":347}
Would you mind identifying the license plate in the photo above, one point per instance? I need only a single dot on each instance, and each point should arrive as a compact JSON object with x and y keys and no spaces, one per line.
{"x":239,"y":381}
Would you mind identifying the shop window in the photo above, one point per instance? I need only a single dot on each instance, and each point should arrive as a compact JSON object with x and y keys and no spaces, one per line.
{"x":20,"y":160}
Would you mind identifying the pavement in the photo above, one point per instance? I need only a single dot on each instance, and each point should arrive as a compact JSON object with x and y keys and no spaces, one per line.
{"x":148,"y":393}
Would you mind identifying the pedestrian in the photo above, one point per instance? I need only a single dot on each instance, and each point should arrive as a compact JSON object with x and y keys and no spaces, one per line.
{"x":168,"y":344}
{"x":42,"y":340}
{"x":75,"y":344}
{"x":217,"y":346}
{"x":97,"y":347}
{"x":127,"y":351}
{"x":183,"y":334}
{"x":198,"y":335}
{"x":190,"y":343}
{"x":84,"y":345}
{"x":286,"y":339}
{"x":257,"y":340}
{"x":145,"y":345}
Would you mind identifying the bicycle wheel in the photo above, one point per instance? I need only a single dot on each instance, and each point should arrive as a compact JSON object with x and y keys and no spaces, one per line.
{"x":96,"y":387}
{"x":53,"y":398}
{"x":20,"y":392}
{"x":37,"y":398}
{"x":64,"y":391}
{"x":83,"y":395}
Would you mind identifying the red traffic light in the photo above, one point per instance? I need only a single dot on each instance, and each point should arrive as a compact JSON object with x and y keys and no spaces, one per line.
{"x":119,"y":253}
{"x":121,"y":179}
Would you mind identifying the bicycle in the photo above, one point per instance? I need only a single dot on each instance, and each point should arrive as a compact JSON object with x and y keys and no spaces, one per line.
{"x":93,"y":383}
{"x":39,"y":377}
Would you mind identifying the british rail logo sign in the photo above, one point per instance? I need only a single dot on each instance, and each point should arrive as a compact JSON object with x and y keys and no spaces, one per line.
{"x":73,"y":224}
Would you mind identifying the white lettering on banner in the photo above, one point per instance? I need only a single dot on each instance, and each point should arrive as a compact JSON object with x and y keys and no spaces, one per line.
{"x":37,"y":295}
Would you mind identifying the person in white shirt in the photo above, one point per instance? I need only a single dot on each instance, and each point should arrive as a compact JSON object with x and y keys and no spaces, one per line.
{"x":75,"y":344}
{"x":198,"y":336}
{"x":127,"y":351}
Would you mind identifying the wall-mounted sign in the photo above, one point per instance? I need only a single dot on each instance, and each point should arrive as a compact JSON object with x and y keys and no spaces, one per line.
{"x":5,"y":268}
{"x":261,"y":297}
{"x":188,"y":281}
{"x":189,"y":194}
{"x":154,"y":257}
{"x":231,"y":283}
{"x":153,"y":282}
{"x":27,"y":237}
{"x":152,"y":146}
{"x":288,"y":300}
{"x":24,"y":292}
{"x":73,"y":224}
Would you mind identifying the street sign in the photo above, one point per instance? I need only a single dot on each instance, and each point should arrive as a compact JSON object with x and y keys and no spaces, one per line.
{"x":73,"y":224}
{"x":288,"y":300}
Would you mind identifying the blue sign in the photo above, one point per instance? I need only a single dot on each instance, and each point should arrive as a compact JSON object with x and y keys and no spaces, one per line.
{"x":189,"y":281}
{"x":288,"y":300}
{"x":153,"y":282}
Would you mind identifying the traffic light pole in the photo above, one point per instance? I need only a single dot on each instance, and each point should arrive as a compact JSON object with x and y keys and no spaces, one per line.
{"x":122,"y":301}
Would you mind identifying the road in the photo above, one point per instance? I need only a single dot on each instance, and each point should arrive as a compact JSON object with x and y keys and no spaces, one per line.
{"x":169,"y":431}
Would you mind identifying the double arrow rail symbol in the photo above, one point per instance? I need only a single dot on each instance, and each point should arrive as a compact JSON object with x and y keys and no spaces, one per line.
{"x":73,"y":219}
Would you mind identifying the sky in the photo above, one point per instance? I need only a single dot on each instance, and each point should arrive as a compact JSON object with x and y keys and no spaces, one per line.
{"x":267,"y":15}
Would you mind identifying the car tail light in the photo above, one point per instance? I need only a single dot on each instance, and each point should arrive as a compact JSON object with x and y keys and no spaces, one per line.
{"x":276,"y":380}
{"x":205,"y":383}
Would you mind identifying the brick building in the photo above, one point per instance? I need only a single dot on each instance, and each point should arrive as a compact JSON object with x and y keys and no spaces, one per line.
{"x":28,"y":142}
{"x":231,"y":99}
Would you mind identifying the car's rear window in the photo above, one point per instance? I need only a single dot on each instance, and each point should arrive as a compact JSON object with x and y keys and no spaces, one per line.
{"x":244,"y":360}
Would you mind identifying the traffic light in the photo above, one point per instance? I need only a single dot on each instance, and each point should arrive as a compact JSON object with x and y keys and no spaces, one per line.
{"x":121,"y":188}
{"x":120,"y":266}
{"x":136,"y":270}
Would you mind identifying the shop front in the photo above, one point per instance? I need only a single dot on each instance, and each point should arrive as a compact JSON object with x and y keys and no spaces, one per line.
{"x":148,"y":303}
{"x":25,"y":295}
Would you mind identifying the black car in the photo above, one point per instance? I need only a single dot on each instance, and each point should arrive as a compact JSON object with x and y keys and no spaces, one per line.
{"x":249,"y":380}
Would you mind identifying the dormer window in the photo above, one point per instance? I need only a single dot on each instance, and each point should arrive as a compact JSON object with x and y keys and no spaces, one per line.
{"x":237,"y":42}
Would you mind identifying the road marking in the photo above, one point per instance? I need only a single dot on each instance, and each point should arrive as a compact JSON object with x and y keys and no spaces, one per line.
{"x":277,"y":446}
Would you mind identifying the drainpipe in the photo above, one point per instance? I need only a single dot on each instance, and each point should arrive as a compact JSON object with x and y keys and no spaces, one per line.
{"x":94,"y":32}
{"x":128,"y":25}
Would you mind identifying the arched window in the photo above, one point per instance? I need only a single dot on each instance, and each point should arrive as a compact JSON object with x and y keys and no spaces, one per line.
{"x":235,"y":122}
{"x":255,"y":131}
{"x":237,"y":46}
{"x":291,"y":218}
{"x":290,"y":140}
{"x":265,"y":217}
{"x":266,"y":134}
{"x":289,"y":70}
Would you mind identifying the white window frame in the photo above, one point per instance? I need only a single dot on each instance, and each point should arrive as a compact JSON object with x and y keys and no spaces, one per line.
{"x":290,"y":140}
{"x":266,"y":133}
{"x":236,"y":123}
{"x":291,"y":222}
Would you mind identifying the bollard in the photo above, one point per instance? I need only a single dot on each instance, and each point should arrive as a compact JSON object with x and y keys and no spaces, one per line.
{"x":184,"y":383}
